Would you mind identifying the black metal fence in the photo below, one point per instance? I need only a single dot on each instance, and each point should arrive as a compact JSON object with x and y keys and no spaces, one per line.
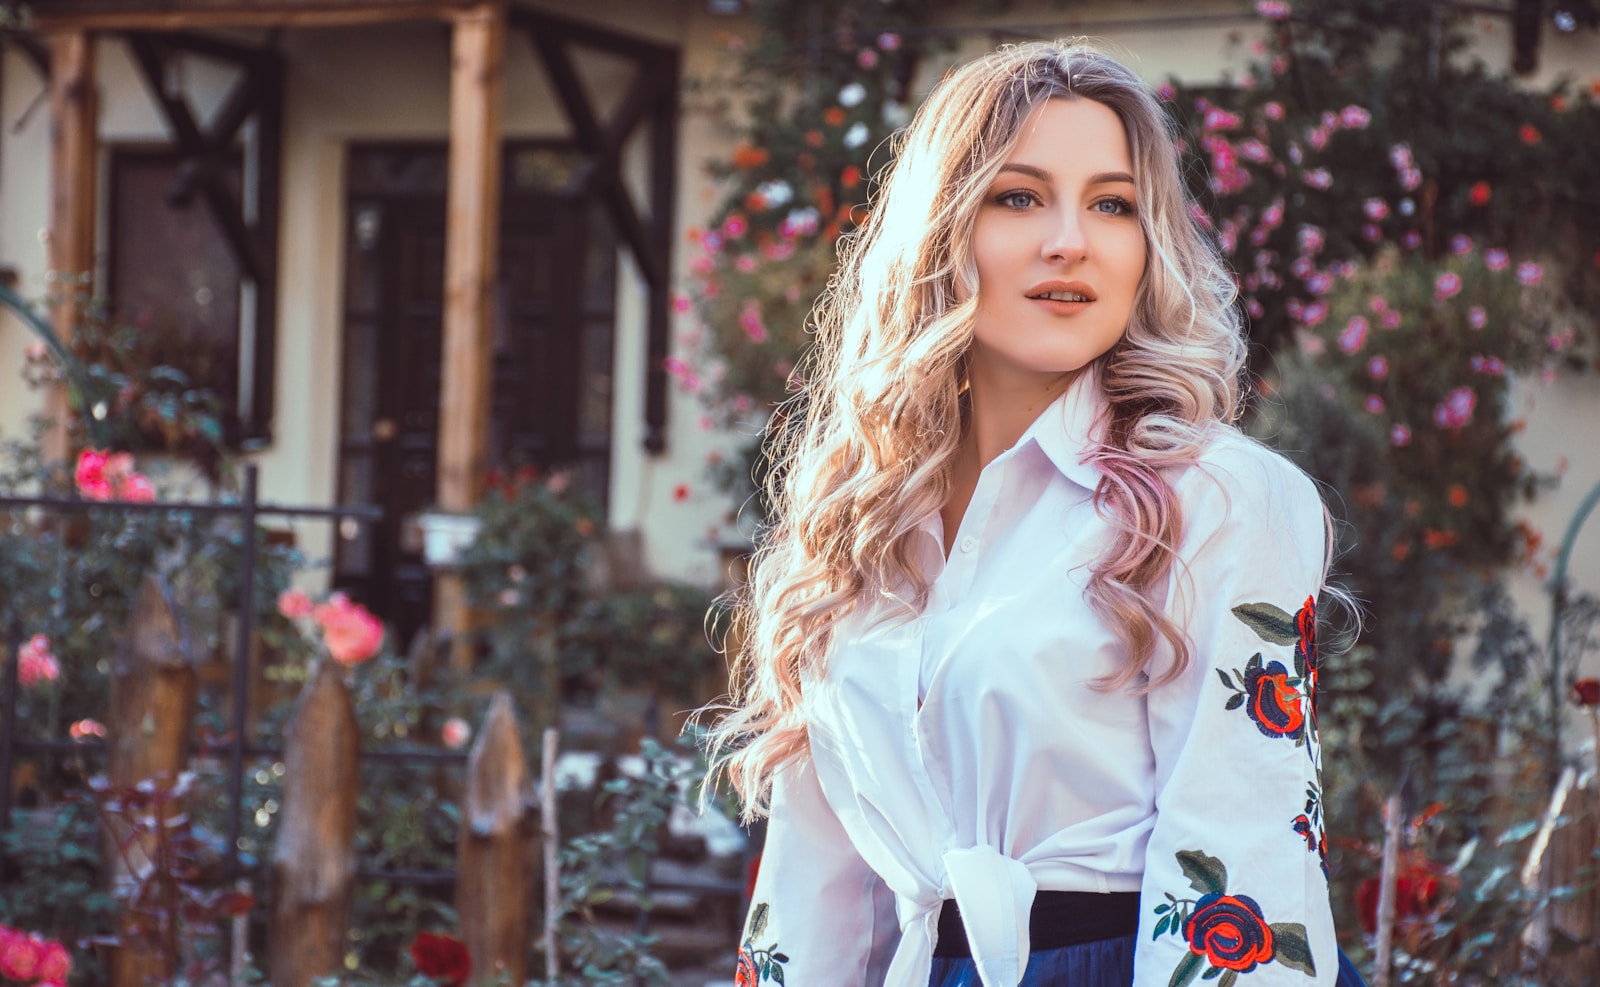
{"x":237,"y":745}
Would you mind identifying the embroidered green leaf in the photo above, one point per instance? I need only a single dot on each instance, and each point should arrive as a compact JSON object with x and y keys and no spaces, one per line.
{"x":1163,"y":909}
{"x":1291,"y":948}
{"x":1235,"y":701}
{"x":1270,"y":623}
{"x":776,"y":974}
{"x":1206,"y":875}
{"x":1228,"y":979}
{"x":758,"y":920}
{"x":779,"y":958}
{"x":1254,"y":664}
{"x":1188,"y":968}
{"x":1212,"y":974}
{"x":1227,"y":682}
{"x":1161,"y":927}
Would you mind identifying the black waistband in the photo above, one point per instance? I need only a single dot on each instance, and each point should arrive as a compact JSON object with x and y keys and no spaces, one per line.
{"x":1059,"y":918}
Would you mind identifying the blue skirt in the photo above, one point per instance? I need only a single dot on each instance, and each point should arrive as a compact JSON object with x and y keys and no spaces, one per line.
{"x":1105,"y":963}
{"x":1102,"y":963}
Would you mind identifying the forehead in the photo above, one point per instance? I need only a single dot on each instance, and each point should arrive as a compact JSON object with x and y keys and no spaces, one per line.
{"x":1071,"y":133}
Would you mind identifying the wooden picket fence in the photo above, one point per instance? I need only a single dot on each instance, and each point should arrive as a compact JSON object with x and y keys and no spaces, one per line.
{"x":313,"y":867}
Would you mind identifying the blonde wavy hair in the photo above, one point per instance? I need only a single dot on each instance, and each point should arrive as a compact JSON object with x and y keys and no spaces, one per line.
{"x":864,"y":453}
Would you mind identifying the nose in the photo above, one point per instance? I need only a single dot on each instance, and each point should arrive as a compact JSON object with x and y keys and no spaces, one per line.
{"x":1067,"y":240}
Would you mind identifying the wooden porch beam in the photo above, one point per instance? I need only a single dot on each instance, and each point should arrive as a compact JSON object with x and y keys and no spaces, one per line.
{"x":472,"y":224}
{"x":102,"y":16}
{"x":73,"y":153}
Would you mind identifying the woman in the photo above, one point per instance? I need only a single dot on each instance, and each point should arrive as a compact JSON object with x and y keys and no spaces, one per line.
{"x":1028,"y":661}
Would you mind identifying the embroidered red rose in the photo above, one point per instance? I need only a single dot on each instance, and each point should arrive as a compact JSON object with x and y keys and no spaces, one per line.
{"x":745,"y":974}
{"x":1230,"y":932}
{"x":1277,"y":707}
{"x":442,"y":958}
{"x":1305,"y":650}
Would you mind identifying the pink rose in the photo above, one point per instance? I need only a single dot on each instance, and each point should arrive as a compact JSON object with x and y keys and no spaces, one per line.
{"x":137,"y":488}
{"x":1446,"y":285}
{"x":21,"y":955}
{"x":55,"y":964}
{"x":351,"y":634}
{"x":35,"y":663}
{"x":90,"y":475}
{"x":84,"y":729}
{"x":294,"y":604}
{"x":455,"y":733}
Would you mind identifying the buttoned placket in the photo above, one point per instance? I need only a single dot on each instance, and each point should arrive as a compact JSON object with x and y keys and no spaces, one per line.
{"x":995,"y":889}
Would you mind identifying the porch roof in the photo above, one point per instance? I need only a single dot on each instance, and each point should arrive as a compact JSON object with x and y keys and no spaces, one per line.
{"x":172,"y":15}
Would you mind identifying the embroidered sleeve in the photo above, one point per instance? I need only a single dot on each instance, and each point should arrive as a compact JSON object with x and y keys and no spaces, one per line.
{"x":1235,"y":886}
{"x":819,"y":916}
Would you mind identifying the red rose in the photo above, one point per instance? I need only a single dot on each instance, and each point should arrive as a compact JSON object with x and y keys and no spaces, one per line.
{"x":442,"y":958}
{"x":1277,"y":707}
{"x":1586,"y":692}
{"x":745,"y":974}
{"x":1416,"y":891}
{"x":1230,"y":931}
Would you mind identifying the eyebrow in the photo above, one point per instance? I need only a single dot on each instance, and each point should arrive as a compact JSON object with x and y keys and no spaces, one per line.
{"x":1102,"y":178}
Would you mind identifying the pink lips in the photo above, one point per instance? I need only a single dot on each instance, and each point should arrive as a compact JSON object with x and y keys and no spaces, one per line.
{"x":1037,"y":292}
{"x":1074,"y":287}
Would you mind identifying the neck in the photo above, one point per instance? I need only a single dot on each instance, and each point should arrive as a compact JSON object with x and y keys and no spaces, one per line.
{"x":1003,"y":406}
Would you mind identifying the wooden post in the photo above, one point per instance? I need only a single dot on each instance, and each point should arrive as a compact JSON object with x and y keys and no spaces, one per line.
{"x":73,"y":115}
{"x":471,"y":240}
{"x":493,"y":891}
{"x":1387,"y":884}
{"x":551,"y":833}
{"x":313,"y":864}
{"x":153,"y":688}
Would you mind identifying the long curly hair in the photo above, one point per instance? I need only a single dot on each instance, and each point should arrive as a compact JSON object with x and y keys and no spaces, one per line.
{"x":864,"y":453}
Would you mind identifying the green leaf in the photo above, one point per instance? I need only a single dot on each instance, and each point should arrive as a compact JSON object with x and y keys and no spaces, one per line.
{"x":775,"y":973}
{"x":1188,"y":968}
{"x":1206,"y":874}
{"x":1291,"y":948}
{"x":1211,"y":973}
{"x":1228,"y":978}
{"x":1235,"y":701}
{"x":758,"y":920}
{"x":1227,"y":681}
{"x":1270,"y":623}
{"x":1161,"y":927}
{"x":1163,"y":909}
{"x":780,"y":958}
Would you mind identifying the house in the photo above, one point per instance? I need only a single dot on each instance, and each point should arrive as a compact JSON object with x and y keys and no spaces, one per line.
{"x":414,"y":239}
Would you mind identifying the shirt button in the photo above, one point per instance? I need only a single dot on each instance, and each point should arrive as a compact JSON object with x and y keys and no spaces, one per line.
{"x":969,"y":543}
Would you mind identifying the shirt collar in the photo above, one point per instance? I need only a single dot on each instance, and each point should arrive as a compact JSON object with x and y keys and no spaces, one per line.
{"x":1071,"y":428}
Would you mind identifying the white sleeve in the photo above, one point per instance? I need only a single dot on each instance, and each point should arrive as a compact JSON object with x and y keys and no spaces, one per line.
{"x":819,"y":916}
{"x":1235,"y":886}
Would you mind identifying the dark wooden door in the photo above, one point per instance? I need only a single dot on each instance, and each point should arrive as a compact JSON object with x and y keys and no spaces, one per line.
{"x":552,"y":331}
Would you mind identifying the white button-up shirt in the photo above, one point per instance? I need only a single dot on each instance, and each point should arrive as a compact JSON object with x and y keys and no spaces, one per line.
{"x":964,"y":753}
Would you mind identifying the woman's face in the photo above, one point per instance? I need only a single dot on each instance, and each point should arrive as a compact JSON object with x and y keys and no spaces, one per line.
{"x":1058,"y":248}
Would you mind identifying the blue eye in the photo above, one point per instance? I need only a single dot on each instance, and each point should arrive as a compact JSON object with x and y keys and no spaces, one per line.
{"x":1016,"y":199}
{"x":1114,"y":205}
